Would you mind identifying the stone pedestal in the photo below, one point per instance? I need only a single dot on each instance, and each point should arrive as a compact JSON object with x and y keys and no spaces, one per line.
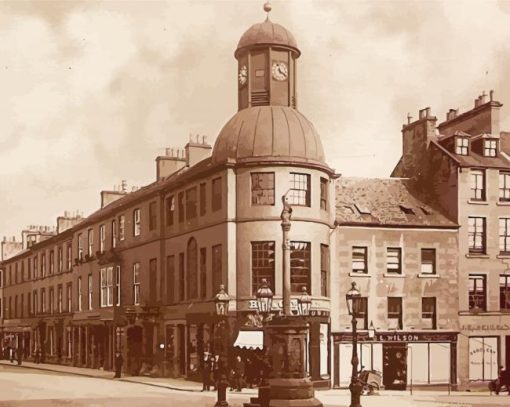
{"x":284,"y":339}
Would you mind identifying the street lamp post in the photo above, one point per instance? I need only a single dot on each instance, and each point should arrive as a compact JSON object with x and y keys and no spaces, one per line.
{"x":221,"y":301}
{"x":352,"y":298}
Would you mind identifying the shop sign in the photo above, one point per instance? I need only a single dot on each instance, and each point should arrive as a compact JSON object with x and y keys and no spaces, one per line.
{"x":398,"y":337}
{"x":489,"y":327}
{"x":278,"y":306}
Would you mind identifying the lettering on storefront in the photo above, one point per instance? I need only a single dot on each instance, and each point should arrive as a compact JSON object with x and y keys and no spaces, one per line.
{"x":278,"y":306}
{"x":489,"y":327}
{"x":397,"y":337}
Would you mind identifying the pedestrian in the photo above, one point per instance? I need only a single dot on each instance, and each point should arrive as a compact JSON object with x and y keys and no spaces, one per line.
{"x":250,"y":366}
{"x":11,"y":354}
{"x":19,"y":354}
{"x":239,"y":373}
{"x":215,"y":370}
{"x":206,"y":373}
{"x":118,"y":365}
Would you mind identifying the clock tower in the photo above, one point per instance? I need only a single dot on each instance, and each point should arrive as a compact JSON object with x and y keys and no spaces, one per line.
{"x":266,"y":55}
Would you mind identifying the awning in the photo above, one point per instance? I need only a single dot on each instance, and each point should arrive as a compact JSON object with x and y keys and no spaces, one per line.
{"x":250,"y":340}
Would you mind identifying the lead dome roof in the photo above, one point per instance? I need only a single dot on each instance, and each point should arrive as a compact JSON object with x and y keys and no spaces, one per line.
{"x":269,"y":133}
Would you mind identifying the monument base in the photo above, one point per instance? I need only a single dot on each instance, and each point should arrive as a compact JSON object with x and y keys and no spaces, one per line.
{"x":292,"y":393}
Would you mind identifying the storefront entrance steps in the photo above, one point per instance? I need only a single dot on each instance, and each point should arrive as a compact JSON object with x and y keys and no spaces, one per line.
{"x":169,"y":383}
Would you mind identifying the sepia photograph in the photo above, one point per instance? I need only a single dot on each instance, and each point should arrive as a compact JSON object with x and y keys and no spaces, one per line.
{"x":255,"y":203}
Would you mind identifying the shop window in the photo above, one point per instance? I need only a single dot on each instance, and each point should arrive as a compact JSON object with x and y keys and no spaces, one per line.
{"x":324,"y":194}
{"x":504,"y":235}
{"x":394,"y":260}
{"x":203,"y":198}
{"x":299,"y":193}
{"x":153,"y":216}
{"x":217,"y":269}
{"x":490,"y":148}
{"x":136,"y":283}
{"x":182,"y":277}
{"x":122,"y":227}
{"x":90,"y":292}
{"x":504,"y":293}
{"x":461,"y":145}
{"x":477,"y":293}
{"x":191,"y":204}
{"x":216,"y":194}
{"x":106,"y":287}
{"x":170,"y":279}
{"x":395,"y":312}
{"x":362,"y":313}
{"x":262,"y":264}
{"x":203,"y":273}
{"x":428,"y":312}
{"x":90,"y":242}
{"x":80,"y":295}
{"x":324,"y":270}
{"x":477,"y":185}
{"x":359,"y":259}
{"x":476,"y":235}
{"x":428,"y":261}
{"x":483,"y":358}
{"x":170,"y":210}
{"x":262,"y":188}
{"x":504,"y":186}
{"x":137,"y":228}
{"x":299,"y":267}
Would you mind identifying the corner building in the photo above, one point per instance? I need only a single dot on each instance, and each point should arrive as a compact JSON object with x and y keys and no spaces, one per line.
{"x":140,"y":274}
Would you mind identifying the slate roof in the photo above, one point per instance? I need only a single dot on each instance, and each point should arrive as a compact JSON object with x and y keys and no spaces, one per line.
{"x":384,"y":202}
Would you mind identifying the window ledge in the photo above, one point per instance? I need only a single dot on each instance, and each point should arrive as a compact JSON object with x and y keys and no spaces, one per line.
{"x":477,"y":256}
{"x":503,"y":256}
{"x":428,"y":275}
{"x":474,"y":202}
{"x":351,"y":274}
{"x":394,"y":275}
{"x":503,"y":203}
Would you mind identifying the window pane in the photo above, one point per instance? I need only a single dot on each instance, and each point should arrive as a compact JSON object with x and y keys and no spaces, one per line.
{"x":262,"y":188}
{"x":262,"y":264}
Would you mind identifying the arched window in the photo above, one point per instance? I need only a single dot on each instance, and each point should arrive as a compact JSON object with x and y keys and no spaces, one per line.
{"x":192,"y":269}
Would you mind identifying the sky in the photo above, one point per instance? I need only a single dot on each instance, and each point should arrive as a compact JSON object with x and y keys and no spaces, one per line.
{"x":93,"y":91}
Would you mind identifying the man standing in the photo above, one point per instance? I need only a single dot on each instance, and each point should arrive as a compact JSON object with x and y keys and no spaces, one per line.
{"x":118,"y":365}
{"x":206,"y":373}
{"x":239,"y":373}
{"x":19,"y":354}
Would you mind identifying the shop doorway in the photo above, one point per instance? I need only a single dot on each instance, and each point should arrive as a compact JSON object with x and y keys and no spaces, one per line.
{"x":134,"y":349}
{"x":507,"y":352}
{"x":395,"y":366}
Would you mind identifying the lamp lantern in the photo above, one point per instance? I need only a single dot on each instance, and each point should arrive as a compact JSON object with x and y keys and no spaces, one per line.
{"x":304,"y":303}
{"x":351,"y":298}
{"x":264,"y":298}
{"x":221,"y":300}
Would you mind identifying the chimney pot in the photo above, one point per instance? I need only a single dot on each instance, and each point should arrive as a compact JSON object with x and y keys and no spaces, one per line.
{"x":167,"y":151}
{"x":483,"y":98}
{"x":491,"y":95}
{"x":204,"y":138}
{"x":409,"y":118}
{"x":124,"y":185}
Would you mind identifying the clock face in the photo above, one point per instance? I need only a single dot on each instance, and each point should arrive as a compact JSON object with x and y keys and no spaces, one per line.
{"x":280,"y":71}
{"x":243,"y":75}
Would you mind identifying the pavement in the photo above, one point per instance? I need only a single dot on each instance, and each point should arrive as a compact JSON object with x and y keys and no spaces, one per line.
{"x":40,"y":384}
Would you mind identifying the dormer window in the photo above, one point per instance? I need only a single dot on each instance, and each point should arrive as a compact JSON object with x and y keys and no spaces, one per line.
{"x":490,"y":147}
{"x":461,"y":145}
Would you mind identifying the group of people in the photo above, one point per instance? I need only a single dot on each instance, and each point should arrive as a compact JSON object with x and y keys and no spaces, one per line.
{"x":240,"y":374}
{"x":13,"y":354}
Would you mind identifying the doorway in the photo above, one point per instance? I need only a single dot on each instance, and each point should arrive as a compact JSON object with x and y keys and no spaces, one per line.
{"x":395,"y":366}
{"x":507,"y":352}
{"x":134,"y":349}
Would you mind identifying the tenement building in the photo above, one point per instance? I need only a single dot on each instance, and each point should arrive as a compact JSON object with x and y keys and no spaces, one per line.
{"x":428,"y":248}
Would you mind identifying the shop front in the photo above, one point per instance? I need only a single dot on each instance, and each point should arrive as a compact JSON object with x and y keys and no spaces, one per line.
{"x":484,"y":346}
{"x":403,"y":358}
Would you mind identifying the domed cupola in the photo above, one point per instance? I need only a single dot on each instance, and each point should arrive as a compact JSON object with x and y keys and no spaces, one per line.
{"x":268,"y":127}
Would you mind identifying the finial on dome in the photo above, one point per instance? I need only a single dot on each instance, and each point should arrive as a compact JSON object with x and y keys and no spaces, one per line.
{"x":267,"y":9}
